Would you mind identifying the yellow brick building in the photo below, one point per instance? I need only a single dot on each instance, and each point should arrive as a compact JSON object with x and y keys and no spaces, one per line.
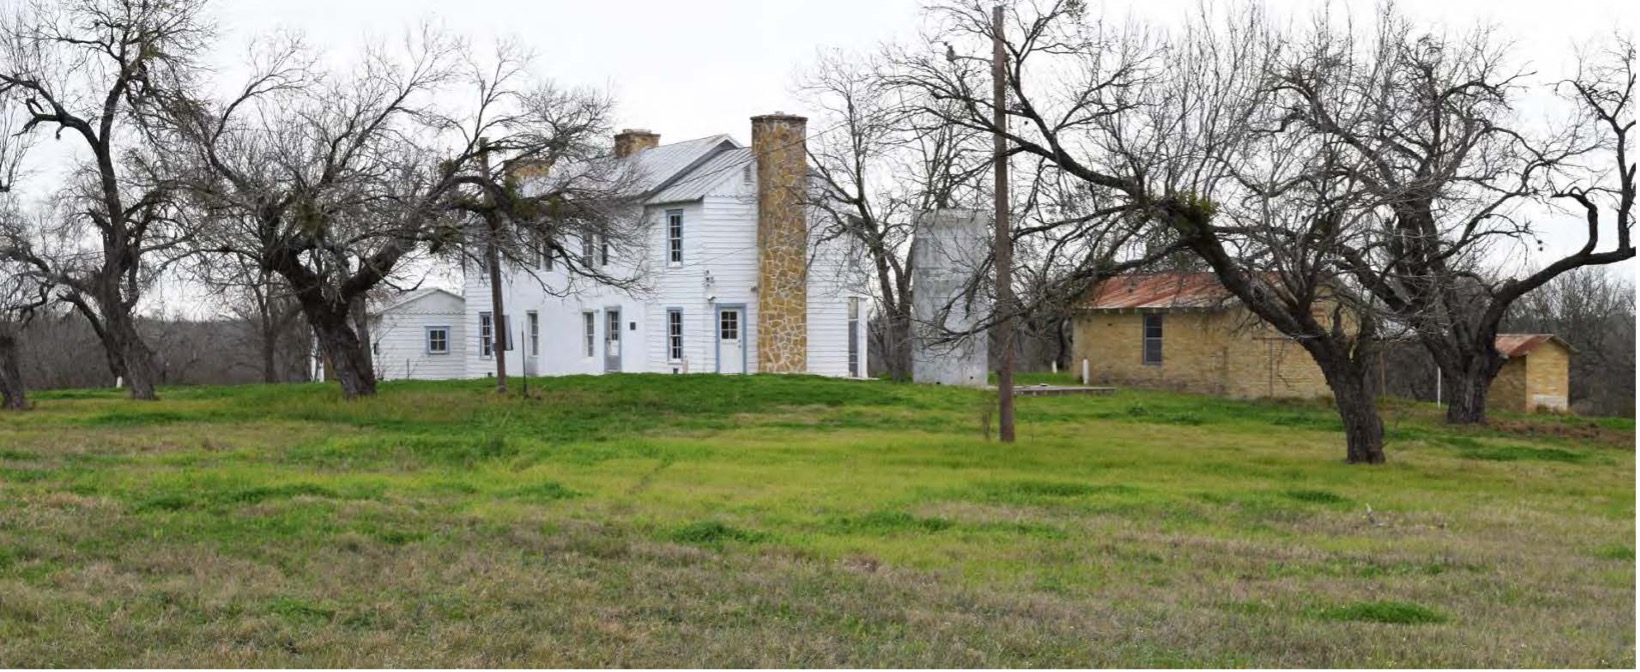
{"x":1183,"y":331}
{"x":1535,"y":374}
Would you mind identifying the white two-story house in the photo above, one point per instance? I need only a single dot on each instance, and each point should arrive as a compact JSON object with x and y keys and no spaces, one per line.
{"x":733,"y":280}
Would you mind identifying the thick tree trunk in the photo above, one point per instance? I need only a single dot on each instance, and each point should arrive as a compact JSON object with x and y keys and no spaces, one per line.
{"x":13,"y":396}
{"x":270,"y":344}
{"x":1466,"y":390}
{"x":120,"y":335}
{"x":361,"y":330}
{"x":1363,"y":429}
{"x":898,"y":353}
{"x":1352,"y":394}
{"x":345,"y":358}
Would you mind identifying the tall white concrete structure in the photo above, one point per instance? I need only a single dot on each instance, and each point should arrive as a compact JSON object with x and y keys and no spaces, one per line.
{"x":951,"y":247}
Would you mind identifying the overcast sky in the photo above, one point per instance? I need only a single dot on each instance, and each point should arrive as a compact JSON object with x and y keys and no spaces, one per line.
{"x":692,"y":68}
{"x":695,"y":68}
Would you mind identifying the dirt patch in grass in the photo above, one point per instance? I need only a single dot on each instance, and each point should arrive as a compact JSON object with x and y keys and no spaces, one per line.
{"x":1565,"y":428}
{"x":1521,"y":454}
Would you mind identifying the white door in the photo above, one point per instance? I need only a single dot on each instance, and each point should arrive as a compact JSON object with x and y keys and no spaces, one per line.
{"x":612,"y":340}
{"x":731,"y":348}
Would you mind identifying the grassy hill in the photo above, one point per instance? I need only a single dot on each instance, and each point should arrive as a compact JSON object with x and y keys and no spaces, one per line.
{"x":763,"y":521}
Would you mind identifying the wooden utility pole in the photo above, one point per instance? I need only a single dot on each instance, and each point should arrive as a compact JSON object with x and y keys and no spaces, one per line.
{"x":492,"y":259}
{"x":1004,"y":241}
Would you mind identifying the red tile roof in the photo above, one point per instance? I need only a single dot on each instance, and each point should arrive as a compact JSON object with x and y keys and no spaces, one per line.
{"x":1516,"y":345}
{"x":1159,"y":291}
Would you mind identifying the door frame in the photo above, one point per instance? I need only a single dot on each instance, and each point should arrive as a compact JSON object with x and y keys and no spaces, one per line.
{"x":717,"y":336}
{"x":620,"y":325}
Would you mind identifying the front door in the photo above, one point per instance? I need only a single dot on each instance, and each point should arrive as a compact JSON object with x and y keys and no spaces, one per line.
{"x":612,"y":340}
{"x":731,"y":345}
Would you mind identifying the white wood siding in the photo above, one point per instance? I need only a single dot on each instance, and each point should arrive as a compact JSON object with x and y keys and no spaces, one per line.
{"x":719,"y":269}
{"x":400,"y":337}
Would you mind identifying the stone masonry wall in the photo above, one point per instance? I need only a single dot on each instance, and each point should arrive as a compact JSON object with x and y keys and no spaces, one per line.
{"x":782,"y":243}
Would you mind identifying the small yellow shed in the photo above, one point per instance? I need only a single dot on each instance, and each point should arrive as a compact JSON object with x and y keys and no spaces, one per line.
{"x":1534,"y":376}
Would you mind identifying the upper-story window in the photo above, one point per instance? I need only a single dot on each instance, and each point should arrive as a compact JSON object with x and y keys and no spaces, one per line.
{"x":486,"y":335}
{"x":543,"y":250}
{"x":587,"y":247}
{"x":674,"y":236}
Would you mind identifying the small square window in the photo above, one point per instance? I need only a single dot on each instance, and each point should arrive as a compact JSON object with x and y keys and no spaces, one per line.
{"x":438,"y":340}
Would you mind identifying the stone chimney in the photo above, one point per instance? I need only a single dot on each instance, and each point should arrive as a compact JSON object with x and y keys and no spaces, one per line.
{"x":782,"y":243}
{"x":633,"y":140}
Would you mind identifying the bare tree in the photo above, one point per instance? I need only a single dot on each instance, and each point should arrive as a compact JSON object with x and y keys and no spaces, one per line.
{"x":338,"y":182}
{"x":542,"y":175}
{"x":23,"y":296}
{"x":1160,"y":131}
{"x":89,"y":70}
{"x":266,"y":314}
{"x":879,"y":164}
{"x":323,"y":179}
{"x":1429,"y":127}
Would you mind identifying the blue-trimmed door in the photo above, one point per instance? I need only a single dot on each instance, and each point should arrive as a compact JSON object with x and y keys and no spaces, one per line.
{"x":730,"y":328}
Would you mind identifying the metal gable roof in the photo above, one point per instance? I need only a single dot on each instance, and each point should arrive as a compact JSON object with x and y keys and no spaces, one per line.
{"x":662,"y":166}
{"x":698,"y":183}
{"x":1517,"y":345}
{"x":655,"y":168}
{"x":1159,"y":291}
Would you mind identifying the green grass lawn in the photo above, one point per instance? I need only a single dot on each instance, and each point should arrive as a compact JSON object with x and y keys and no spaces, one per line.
{"x":767,"y":521}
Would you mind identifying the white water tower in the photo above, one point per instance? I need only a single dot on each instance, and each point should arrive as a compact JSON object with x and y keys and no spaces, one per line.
{"x":951,"y":247}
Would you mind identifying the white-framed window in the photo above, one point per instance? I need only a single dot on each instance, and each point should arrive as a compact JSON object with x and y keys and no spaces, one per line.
{"x":534,"y":320}
{"x":674,"y":236}
{"x":587,"y":246}
{"x":603,"y":250}
{"x":674,"y":334}
{"x":486,"y":335}
{"x":438,"y":340}
{"x":589,"y":323}
{"x":1153,"y":339}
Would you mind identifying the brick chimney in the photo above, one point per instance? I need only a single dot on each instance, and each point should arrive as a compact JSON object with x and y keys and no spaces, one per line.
{"x":782,"y":243}
{"x":633,"y":140}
